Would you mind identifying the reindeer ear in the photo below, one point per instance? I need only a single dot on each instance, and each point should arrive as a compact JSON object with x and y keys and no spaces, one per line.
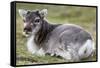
{"x":22,"y":12}
{"x":43,"y":13}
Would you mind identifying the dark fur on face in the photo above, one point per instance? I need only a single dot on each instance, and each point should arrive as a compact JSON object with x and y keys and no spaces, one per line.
{"x":42,"y":34}
{"x":36,"y":18}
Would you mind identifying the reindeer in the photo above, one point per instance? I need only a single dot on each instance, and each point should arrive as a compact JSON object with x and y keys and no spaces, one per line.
{"x":68,"y":41}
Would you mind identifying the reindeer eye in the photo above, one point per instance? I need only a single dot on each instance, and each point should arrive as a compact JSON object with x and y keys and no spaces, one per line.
{"x":37,"y":20}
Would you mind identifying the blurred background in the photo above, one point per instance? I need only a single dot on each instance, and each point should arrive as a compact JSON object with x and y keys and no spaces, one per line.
{"x":82,"y":16}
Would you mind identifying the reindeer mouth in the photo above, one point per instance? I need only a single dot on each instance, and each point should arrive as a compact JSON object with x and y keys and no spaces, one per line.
{"x":26,"y":34}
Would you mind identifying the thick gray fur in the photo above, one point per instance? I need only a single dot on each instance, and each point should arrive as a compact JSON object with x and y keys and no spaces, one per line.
{"x":69,"y":41}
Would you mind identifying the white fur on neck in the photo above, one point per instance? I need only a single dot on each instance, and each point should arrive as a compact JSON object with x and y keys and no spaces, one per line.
{"x":33,"y":48}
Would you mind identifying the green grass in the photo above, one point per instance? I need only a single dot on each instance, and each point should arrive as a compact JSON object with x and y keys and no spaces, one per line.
{"x":83,"y":16}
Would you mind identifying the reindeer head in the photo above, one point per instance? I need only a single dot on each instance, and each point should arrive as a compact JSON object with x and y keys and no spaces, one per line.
{"x":32,"y":20}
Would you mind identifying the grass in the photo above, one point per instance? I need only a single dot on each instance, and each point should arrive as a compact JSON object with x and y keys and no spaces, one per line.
{"x":83,"y":16}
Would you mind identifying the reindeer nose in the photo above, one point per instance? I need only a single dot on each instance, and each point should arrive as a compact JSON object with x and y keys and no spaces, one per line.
{"x":27,"y":29}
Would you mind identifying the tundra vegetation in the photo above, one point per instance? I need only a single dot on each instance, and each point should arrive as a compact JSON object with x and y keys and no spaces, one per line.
{"x":82,"y":16}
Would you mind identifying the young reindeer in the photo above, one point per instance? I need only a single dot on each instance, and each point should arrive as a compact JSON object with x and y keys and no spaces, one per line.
{"x":68,"y":41}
